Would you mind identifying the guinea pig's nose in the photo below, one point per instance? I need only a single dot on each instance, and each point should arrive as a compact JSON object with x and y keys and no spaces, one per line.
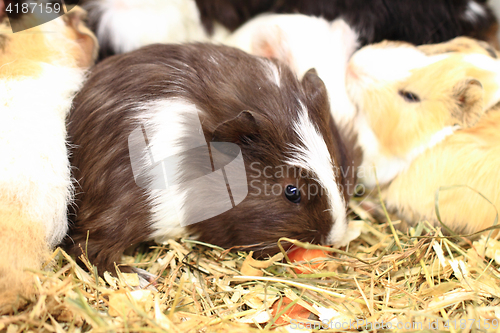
{"x":323,"y":240}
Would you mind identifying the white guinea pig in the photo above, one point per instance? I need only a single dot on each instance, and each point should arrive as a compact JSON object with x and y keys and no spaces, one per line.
{"x":40,"y":71}
{"x":419,"y":130}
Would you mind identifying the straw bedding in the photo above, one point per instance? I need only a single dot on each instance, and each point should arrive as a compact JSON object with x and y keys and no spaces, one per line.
{"x":386,"y":280}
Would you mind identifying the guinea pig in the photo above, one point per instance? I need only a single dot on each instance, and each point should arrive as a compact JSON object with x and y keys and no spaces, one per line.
{"x":124,"y":25}
{"x":422,"y":127}
{"x":288,"y":38}
{"x":41,"y":69}
{"x":416,"y":21}
{"x":164,"y":108}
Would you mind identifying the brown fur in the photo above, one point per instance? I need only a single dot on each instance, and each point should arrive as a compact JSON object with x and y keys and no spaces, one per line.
{"x":491,"y":36}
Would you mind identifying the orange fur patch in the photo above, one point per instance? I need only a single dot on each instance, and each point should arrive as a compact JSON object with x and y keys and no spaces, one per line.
{"x":22,"y":53}
{"x":64,"y":42}
{"x":23,"y":246}
{"x":401,"y":126}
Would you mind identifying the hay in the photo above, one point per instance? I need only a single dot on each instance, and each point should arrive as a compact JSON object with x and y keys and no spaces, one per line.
{"x":415,"y":281}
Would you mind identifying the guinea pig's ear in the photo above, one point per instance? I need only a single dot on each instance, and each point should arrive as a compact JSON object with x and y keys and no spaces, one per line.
{"x":316,"y":94}
{"x":74,"y":19}
{"x":245,"y":124}
{"x":272,"y":43}
{"x":469,"y":95}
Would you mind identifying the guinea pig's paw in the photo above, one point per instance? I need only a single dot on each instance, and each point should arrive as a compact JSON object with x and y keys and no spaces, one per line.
{"x":146,"y":279}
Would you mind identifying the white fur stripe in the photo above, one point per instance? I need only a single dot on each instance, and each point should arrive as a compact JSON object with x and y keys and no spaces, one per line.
{"x":474,"y":11}
{"x":274,"y":73}
{"x":313,"y":155}
{"x":165,"y":123}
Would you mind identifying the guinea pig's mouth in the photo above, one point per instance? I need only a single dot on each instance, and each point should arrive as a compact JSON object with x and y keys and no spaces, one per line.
{"x":265,"y":250}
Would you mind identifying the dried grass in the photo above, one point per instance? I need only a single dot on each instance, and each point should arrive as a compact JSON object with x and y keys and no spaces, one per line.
{"x":419,"y":279}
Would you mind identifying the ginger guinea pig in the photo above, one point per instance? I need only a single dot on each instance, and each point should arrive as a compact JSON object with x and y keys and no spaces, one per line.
{"x":421,"y":127}
{"x":416,"y":22}
{"x":41,"y":69}
{"x":157,"y":115}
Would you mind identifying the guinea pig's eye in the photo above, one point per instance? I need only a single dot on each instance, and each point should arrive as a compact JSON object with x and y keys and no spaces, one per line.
{"x":409,"y":96}
{"x":292,"y":193}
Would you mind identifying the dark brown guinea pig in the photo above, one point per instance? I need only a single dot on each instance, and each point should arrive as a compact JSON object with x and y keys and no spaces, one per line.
{"x":207,"y":140}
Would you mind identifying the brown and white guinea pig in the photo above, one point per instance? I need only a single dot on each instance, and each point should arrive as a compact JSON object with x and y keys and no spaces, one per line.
{"x":41,"y":69}
{"x":173,"y":100}
{"x":462,"y":45}
{"x":419,"y":130}
{"x":124,"y":25}
{"x":287,"y":37}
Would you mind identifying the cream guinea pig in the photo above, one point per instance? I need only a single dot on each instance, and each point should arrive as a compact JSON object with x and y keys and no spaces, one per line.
{"x":40,"y":71}
{"x":422,"y":126}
